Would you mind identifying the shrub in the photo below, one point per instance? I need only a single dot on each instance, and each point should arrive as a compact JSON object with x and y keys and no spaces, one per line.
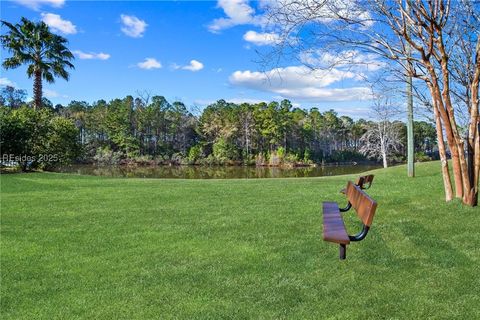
{"x":61,"y":145}
{"x":306,"y":156}
{"x":224,"y":152}
{"x":274,"y":159}
{"x":37,"y":138}
{"x":422,"y":157}
{"x":291,"y":159}
{"x":178,"y":158}
{"x":106,"y":156}
{"x":260,"y":160}
{"x":195,"y":153}
{"x":281,"y":152}
{"x":144,"y":160}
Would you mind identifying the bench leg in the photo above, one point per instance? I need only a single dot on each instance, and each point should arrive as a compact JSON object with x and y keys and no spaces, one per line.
{"x":343,"y":251}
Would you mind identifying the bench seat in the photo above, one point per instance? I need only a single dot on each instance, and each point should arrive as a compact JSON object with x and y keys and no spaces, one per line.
{"x":333,"y":226}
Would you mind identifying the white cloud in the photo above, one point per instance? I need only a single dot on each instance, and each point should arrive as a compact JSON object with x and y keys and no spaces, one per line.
{"x":91,"y":55}
{"x":327,"y":94}
{"x":50,"y":93}
{"x":194,"y":66}
{"x":293,"y":76}
{"x":261,"y":39}
{"x":238,"y":12}
{"x":300,"y":82}
{"x":55,"y":22}
{"x":206,"y":102}
{"x":149,"y":63}
{"x":324,"y":12}
{"x":245,"y":100}
{"x":6,"y":82}
{"x":133,"y":26}
{"x":348,"y":59}
{"x":355,"y":112}
{"x":36,"y":4}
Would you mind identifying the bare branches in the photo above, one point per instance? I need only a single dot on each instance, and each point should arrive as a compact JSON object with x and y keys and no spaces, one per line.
{"x":445,"y":56}
{"x":382,"y":138}
{"x":144,"y":96}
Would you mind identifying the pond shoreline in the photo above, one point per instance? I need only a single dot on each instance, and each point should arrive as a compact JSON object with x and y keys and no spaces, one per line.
{"x":213,"y":171}
{"x":233,"y":164}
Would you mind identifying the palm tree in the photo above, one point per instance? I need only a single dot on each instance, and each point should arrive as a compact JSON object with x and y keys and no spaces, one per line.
{"x":44,"y":53}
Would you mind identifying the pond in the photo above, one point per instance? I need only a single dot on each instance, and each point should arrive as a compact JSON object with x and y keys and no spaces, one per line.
{"x":214,"y":172}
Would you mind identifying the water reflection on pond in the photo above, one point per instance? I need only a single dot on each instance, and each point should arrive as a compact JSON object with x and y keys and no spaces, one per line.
{"x":213,"y":172}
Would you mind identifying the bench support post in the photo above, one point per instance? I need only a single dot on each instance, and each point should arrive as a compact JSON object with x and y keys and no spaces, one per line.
{"x":343,"y":251}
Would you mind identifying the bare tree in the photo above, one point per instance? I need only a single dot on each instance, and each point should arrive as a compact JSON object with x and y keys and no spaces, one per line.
{"x":382,"y":139}
{"x":144,"y":96}
{"x":388,"y":29}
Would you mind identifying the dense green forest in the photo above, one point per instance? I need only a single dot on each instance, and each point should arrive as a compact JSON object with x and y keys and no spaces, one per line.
{"x":154,"y":131}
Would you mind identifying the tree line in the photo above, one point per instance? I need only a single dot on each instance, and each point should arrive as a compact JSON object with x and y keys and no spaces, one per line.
{"x":155,"y":131}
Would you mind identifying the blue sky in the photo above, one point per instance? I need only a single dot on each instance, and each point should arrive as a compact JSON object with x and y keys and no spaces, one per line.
{"x":193,"y":51}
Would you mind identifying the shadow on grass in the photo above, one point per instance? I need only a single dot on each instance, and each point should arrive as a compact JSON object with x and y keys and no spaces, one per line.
{"x":435,"y":251}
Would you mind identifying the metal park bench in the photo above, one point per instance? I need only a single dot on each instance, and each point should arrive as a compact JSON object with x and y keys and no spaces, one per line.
{"x":333,"y":226}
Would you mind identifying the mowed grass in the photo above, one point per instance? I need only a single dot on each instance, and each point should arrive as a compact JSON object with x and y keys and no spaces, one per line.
{"x":81,"y":247}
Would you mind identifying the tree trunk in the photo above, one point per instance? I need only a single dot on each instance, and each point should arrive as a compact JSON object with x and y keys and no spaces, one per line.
{"x":458,"y":141}
{"x":473,"y":139}
{"x":476,"y":165}
{"x":443,"y":104}
{"x":443,"y":114}
{"x":384,"y":153}
{"x":473,"y":192}
{"x":37,"y":90}
{"x":410,"y":136}
{"x":447,"y":182}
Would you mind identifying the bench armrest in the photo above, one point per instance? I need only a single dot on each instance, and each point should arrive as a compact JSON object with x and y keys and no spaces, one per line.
{"x":361,"y":235}
{"x":348,"y":207}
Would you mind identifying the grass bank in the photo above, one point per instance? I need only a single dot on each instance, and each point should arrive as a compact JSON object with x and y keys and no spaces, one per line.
{"x":81,"y":247}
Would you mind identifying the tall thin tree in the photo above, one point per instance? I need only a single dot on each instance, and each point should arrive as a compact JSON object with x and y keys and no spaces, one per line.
{"x":410,"y":138}
{"x":45,"y":53}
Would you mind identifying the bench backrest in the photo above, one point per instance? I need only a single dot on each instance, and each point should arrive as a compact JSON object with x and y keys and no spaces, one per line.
{"x":365,"y":182}
{"x":361,"y":202}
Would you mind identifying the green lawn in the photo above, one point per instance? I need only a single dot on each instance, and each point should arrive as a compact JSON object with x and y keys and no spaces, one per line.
{"x":80,"y":247}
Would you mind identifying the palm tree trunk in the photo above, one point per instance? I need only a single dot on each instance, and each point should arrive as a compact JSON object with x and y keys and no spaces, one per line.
{"x":37,"y":90}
